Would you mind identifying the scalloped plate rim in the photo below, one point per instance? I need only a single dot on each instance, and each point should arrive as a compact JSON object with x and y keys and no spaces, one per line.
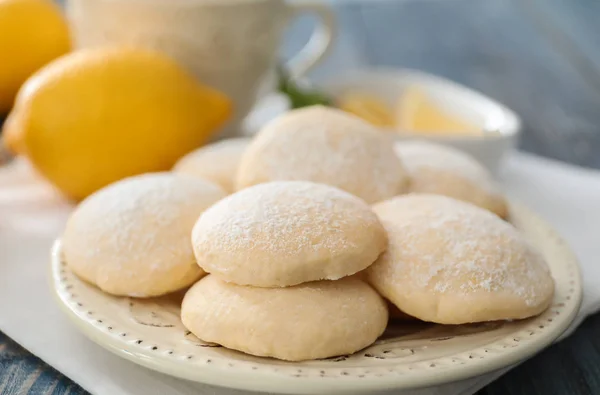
{"x":271,"y":381}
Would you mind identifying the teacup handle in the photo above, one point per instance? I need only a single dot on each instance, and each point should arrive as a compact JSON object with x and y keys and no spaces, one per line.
{"x":320,"y":41}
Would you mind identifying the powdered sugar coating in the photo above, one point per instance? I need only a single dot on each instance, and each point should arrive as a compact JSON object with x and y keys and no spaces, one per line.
{"x":132,"y":237}
{"x":451,"y":262}
{"x":327,"y":146}
{"x":287,"y":232}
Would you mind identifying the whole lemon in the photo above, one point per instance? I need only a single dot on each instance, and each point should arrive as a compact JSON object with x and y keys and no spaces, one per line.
{"x":96,"y":116}
{"x":32,"y":33}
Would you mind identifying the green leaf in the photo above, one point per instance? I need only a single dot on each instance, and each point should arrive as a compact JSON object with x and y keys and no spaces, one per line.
{"x":300,"y":97}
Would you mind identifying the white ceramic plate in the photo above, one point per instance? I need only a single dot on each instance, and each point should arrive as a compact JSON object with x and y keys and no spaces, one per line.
{"x":149,"y":333}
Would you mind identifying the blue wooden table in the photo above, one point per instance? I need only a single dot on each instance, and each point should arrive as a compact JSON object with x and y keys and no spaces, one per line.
{"x":540,"y":57}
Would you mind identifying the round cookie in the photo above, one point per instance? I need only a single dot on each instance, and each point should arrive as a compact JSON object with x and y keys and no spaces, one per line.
{"x":217,"y":162}
{"x":442,"y":170}
{"x":132,"y":237}
{"x":327,"y":146}
{"x":287,"y":232}
{"x":309,"y":321}
{"x":451,"y":262}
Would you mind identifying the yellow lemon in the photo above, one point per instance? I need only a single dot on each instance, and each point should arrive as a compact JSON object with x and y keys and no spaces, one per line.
{"x":369,"y":108}
{"x":93,"y":117}
{"x":11,"y":137}
{"x":418,"y":113}
{"x":32,"y":33}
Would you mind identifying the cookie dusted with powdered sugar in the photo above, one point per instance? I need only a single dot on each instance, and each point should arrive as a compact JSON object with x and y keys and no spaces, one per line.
{"x":328,"y":146}
{"x":320,"y":319}
{"x":442,"y":170}
{"x":451,"y":262}
{"x":217,"y":162}
{"x":132,"y":238}
{"x":285,"y":233}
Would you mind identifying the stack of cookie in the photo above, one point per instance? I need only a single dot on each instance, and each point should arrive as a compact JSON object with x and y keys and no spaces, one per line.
{"x":267,"y":248}
{"x":330,"y":222}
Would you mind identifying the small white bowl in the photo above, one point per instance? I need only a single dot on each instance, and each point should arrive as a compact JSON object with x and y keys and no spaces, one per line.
{"x":501,"y":126}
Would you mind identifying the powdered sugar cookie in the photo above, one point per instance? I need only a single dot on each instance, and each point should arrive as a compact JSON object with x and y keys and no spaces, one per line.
{"x":308,"y":321}
{"x":327,"y":146}
{"x":285,"y":233}
{"x":133,"y":237}
{"x":434,"y":168}
{"x":217,"y":162}
{"x":451,"y":262}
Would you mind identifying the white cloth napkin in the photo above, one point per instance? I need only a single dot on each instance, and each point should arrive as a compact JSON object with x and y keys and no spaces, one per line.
{"x":32,"y":215}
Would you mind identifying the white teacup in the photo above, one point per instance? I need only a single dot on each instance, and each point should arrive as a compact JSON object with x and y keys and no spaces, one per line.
{"x":228,"y":44}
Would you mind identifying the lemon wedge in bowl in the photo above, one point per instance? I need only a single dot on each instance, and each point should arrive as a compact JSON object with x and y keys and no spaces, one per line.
{"x":416,"y":112}
{"x":369,"y":108}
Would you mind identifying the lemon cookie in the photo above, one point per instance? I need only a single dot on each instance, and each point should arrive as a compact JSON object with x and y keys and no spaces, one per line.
{"x":309,"y":321}
{"x":285,"y":233}
{"x":434,"y":168}
{"x":451,"y":262}
{"x":217,"y":162}
{"x":133,"y":237}
{"x":328,"y":146}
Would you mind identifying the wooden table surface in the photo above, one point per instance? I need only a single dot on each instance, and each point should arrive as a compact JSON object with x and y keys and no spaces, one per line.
{"x":545,"y":69}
